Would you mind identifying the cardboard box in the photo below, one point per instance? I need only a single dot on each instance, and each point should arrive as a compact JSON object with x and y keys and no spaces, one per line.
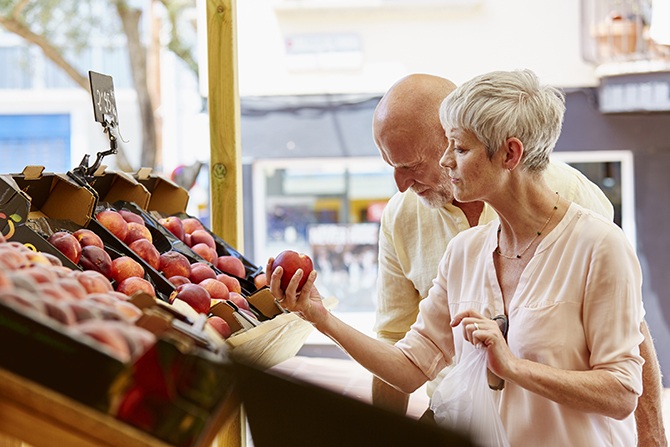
{"x":166,"y":196}
{"x":14,"y":206}
{"x":56,"y":195}
{"x":113,"y":186}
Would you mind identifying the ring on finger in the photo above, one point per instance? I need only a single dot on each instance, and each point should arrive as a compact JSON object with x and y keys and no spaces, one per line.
{"x":281,"y":300}
{"x":477,"y":326}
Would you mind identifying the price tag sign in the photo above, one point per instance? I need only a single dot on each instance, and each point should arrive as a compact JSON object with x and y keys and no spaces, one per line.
{"x":104,"y":102}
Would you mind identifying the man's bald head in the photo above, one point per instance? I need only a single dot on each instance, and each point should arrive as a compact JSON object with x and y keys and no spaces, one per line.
{"x":414,"y":100}
{"x":407,"y":130}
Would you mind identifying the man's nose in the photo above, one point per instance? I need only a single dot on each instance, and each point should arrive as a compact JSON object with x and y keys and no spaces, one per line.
{"x":403,"y":179}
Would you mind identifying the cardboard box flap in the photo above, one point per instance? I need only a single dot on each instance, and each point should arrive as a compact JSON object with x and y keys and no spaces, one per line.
{"x":32,"y":172}
{"x":56,"y":196}
{"x":166,"y":195}
{"x":114,"y":186}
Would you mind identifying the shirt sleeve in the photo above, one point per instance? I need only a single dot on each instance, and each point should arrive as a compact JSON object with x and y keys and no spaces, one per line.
{"x":613,"y":300}
{"x":397,"y":298}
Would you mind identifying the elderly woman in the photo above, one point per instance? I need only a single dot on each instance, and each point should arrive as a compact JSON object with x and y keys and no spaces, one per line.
{"x":566,"y":278}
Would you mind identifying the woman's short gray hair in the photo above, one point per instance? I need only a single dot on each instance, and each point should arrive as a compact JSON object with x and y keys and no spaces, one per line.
{"x":500,"y":105}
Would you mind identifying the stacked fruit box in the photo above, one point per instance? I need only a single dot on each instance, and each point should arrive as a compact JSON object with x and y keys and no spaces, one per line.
{"x":122,"y":311}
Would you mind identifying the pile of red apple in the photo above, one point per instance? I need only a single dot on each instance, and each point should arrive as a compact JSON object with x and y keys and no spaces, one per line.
{"x":197,"y":284}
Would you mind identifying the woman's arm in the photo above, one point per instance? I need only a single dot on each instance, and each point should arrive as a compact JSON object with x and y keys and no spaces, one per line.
{"x":383,"y":360}
{"x":594,"y":391}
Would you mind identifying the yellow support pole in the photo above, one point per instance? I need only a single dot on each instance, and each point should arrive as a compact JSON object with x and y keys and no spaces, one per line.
{"x":225,"y":174}
{"x":224,"y":123}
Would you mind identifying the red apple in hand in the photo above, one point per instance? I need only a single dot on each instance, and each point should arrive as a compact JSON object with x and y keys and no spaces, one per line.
{"x":194,"y":295}
{"x":290,"y":262}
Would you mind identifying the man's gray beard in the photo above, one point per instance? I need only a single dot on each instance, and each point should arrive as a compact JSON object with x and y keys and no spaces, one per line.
{"x":436,"y":199}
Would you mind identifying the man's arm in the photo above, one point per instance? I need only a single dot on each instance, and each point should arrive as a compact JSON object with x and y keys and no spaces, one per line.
{"x":649,"y":411}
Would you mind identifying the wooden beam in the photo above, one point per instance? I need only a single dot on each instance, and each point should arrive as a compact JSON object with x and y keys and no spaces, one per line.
{"x":224,"y":118}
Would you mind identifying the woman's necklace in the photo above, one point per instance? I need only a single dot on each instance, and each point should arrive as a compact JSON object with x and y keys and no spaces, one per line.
{"x":536,"y":236}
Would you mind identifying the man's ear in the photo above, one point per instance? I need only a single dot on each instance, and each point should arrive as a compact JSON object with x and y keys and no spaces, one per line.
{"x":513,"y":153}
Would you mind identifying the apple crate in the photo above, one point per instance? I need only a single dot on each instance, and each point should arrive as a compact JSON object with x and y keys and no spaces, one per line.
{"x":40,"y":350}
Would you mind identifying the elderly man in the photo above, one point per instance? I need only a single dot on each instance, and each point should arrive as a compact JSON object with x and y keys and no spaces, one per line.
{"x":422,"y":217}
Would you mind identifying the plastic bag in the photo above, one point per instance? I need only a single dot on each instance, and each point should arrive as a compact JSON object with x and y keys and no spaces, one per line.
{"x":464,"y":402}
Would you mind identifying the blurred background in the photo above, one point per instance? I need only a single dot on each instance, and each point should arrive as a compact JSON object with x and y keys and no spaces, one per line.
{"x":311,"y":73}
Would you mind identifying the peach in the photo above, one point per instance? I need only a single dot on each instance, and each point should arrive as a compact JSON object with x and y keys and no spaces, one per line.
{"x":39,"y":274}
{"x":93,"y":282}
{"x":202,"y":237}
{"x":73,"y":287}
{"x":66,"y":244}
{"x":217,"y":290}
{"x":54,"y":291}
{"x":206,"y":252}
{"x":94,"y":258}
{"x":87,"y":237}
{"x":114,"y":222}
{"x":260,"y":280}
{"x":132,"y":285}
{"x":191,"y":224}
{"x":220,"y":326}
{"x":109,"y":335}
{"x":82,"y":311}
{"x":22,"y":300}
{"x":174,"y":226}
{"x":201,"y":271}
{"x":101,"y":298}
{"x":179,"y":280}
{"x":187,"y":239}
{"x":60,"y":312}
{"x":128,"y":309}
{"x":239,"y":300}
{"x":4,"y":279}
{"x":129,"y":217}
{"x":194,"y":295}
{"x":233,"y":284}
{"x":125,"y":267}
{"x":173,"y":263}
{"x":37,"y":258}
{"x":137,"y":231}
{"x":231,"y":265}
{"x":146,"y":251}
{"x":12,"y":259}
{"x":290,"y":261}
{"x":54,"y":260}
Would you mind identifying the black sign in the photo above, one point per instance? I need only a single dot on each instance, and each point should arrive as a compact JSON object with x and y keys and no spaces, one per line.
{"x":104,"y":102}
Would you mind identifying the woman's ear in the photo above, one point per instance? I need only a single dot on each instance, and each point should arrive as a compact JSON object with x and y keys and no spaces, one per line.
{"x":513,"y":153}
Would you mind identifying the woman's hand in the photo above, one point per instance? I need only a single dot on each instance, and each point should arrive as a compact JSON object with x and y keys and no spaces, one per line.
{"x":481,"y":331}
{"x":307,"y":303}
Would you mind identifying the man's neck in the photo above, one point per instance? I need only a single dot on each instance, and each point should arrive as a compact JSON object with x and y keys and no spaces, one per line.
{"x":472,"y":211}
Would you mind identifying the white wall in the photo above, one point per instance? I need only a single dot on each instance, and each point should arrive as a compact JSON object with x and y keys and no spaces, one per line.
{"x":457,"y":39}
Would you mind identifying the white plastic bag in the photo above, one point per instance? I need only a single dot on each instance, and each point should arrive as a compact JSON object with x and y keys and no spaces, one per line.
{"x":464,"y":402}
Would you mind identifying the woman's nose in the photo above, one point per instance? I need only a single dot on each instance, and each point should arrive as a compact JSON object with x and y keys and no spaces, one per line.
{"x":447,"y":160}
{"x":403,"y":179}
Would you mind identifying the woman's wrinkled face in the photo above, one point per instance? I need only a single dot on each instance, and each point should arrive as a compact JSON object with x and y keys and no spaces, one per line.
{"x":471,"y":173}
